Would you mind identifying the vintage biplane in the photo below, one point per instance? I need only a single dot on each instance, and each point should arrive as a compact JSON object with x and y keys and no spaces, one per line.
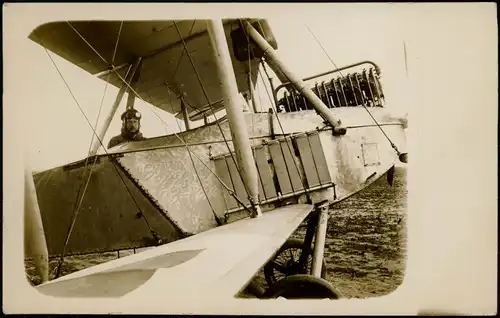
{"x":219,"y":202}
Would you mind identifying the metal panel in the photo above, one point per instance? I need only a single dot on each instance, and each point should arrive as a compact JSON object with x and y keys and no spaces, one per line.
{"x":265,"y":173}
{"x":370,"y":154}
{"x":223,"y":173}
{"x":280,"y":166}
{"x":293,"y":167}
{"x":319,"y":158}
{"x":239,"y":188}
{"x":308,"y":161}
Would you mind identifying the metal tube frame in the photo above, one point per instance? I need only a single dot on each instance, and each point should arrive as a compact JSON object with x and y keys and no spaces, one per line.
{"x":251,"y":89}
{"x":320,"y":239}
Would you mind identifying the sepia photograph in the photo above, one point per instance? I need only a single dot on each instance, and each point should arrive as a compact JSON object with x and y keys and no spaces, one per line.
{"x":237,"y":156}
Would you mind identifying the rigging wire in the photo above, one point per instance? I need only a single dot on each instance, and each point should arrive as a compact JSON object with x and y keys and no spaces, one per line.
{"x":77,"y":207}
{"x":165,"y":126}
{"x":139,"y":97}
{"x":211,"y":108}
{"x":179,"y":60}
{"x":117,"y":41}
{"x":265,"y":88}
{"x":100,"y":141}
{"x":190,"y":152}
{"x":185,"y":144}
{"x":182,"y":52}
{"x":230,"y":191}
{"x":363,"y":104}
{"x":279,"y":122}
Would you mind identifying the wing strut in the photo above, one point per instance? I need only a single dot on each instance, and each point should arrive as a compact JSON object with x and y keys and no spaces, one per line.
{"x":237,"y":124}
{"x":35,"y":244}
{"x":133,"y":68}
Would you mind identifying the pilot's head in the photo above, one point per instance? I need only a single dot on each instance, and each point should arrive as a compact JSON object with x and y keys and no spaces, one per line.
{"x":131,"y":119}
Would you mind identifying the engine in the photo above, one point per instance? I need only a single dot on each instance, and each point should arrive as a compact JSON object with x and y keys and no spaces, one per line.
{"x":344,"y":90}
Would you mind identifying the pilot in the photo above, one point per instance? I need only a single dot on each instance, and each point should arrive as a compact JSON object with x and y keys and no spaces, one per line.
{"x":131,"y":124}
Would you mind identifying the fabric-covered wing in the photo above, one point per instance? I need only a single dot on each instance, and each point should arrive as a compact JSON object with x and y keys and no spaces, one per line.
{"x":166,"y":71}
{"x":219,"y":262}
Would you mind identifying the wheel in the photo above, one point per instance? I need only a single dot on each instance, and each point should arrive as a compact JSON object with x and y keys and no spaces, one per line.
{"x":302,"y":287}
{"x":286,"y":262}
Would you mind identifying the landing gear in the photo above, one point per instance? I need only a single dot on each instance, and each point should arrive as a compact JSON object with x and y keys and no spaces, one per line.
{"x":302,"y":286}
{"x":287,"y":262}
{"x":299,"y":271}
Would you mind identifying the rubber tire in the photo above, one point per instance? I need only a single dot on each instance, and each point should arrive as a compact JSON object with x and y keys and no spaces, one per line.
{"x":302,"y":287}
{"x":291,"y":243}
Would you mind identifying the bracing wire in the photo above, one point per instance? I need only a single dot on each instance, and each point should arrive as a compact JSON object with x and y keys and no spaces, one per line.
{"x":100,"y":141}
{"x":230,"y":191}
{"x":211,"y":108}
{"x":117,"y":41}
{"x":84,"y":172}
{"x":138,"y":96}
{"x":265,"y":87}
{"x":277,"y":117}
{"x":165,"y":126}
{"x":77,"y":207}
{"x":182,"y":52}
{"x":190,"y":152}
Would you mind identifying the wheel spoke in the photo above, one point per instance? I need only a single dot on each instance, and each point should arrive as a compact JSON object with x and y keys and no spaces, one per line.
{"x":279,"y":267}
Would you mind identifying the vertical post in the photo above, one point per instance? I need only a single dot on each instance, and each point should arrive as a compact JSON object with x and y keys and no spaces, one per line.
{"x":271,"y":84}
{"x":185,"y":114}
{"x":319,"y":242}
{"x":234,"y":111}
{"x":252,"y":93}
{"x":119,"y":97}
{"x":35,"y":245}
{"x":135,"y":78}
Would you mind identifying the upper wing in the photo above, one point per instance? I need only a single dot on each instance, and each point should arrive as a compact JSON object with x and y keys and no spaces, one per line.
{"x":219,"y":262}
{"x":104,"y":48}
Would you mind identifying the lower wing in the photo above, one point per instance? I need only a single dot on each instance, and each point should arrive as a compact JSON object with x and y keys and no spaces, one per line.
{"x":219,"y":262}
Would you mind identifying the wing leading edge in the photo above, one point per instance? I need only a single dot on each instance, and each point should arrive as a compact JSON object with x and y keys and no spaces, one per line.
{"x":219,"y":262}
